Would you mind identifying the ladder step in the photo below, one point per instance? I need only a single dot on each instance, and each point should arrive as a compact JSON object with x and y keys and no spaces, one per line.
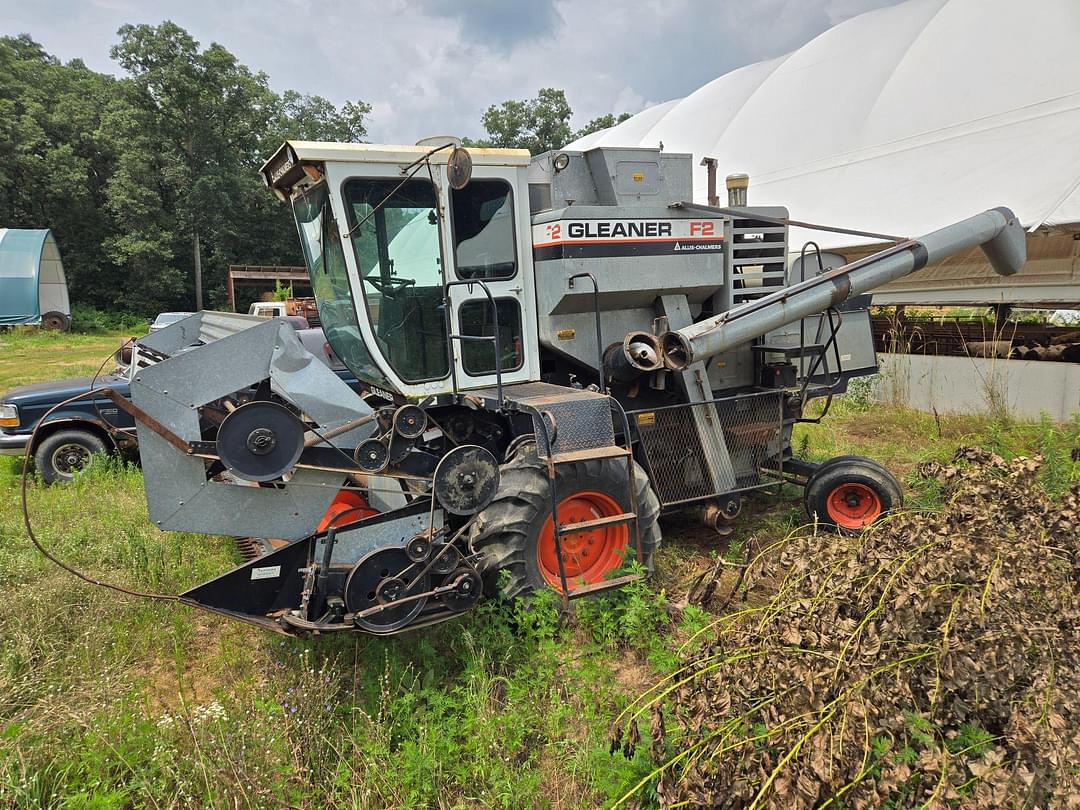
{"x":589,"y":453}
{"x":606,"y":585}
{"x":613,"y":520}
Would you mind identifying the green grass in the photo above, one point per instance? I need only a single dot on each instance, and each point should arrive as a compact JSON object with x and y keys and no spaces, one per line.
{"x":108,"y":701}
{"x":112,"y":701}
{"x":31,"y":355}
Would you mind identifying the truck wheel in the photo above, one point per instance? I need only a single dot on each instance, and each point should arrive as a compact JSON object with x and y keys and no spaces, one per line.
{"x":851,"y":492}
{"x":61,"y":455}
{"x":515,"y":532}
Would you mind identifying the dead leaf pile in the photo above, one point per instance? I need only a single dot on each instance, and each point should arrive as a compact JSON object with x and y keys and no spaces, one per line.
{"x":932,"y":661}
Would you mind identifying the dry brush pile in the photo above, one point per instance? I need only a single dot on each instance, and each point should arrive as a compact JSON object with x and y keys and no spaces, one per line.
{"x":932,"y":661}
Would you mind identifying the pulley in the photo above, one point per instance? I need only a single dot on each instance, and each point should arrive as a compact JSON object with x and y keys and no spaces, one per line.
{"x":371,"y":455}
{"x":260,"y":441}
{"x":419,"y":548}
{"x":466,"y":591}
{"x":410,"y":421}
{"x":445,"y":559}
{"x":466,"y":479}
{"x":380,"y":579}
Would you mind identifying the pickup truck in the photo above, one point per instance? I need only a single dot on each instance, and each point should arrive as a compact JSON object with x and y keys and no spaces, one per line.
{"x":305,"y":308}
{"x":73,"y":433}
{"x":64,"y":445}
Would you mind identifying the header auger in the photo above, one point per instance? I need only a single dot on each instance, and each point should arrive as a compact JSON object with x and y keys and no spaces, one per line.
{"x":552,"y":353}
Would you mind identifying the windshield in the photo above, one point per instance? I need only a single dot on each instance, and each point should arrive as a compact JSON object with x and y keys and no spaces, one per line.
{"x":397,"y":250}
{"x":330,"y":282}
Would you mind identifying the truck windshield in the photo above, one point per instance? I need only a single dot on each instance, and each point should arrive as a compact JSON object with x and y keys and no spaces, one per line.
{"x":398,"y":253}
{"x":330,"y":281}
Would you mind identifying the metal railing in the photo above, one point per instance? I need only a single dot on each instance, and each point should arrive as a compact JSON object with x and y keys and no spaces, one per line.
{"x":493,"y":338}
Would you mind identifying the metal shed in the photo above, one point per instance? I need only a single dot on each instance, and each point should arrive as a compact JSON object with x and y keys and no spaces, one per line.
{"x":33,"y":288}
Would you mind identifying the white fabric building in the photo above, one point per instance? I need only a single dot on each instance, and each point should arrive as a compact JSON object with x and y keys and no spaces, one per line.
{"x":902,"y":120}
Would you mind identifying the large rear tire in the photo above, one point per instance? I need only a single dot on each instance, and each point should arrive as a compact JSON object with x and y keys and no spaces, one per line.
{"x":514,"y":533}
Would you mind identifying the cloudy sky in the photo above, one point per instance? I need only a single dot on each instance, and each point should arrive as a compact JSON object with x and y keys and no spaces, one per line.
{"x":433,"y":66}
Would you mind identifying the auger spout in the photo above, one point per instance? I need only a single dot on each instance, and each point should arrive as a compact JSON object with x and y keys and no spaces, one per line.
{"x":996,"y":231}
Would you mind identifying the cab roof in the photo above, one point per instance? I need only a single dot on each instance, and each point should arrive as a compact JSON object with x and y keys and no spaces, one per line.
{"x":285,"y":166}
{"x":397,"y":153}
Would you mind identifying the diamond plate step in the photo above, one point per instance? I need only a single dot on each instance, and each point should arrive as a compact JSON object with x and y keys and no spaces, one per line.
{"x":582,"y":418}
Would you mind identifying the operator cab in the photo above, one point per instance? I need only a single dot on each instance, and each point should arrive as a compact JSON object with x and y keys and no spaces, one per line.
{"x":388,"y":240}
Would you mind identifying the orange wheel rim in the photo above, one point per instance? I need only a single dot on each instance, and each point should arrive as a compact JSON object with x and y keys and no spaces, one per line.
{"x":589,"y":555}
{"x":853,"y":506}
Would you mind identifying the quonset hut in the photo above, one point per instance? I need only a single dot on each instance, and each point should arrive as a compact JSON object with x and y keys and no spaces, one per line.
{"x":33,"y":288}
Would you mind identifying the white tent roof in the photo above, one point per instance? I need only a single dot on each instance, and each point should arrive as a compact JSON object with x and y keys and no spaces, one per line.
{"x":900,"y":120}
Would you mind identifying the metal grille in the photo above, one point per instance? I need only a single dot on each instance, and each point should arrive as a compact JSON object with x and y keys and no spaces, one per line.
{"x":684,"y":466}
{"x":758,"y":259}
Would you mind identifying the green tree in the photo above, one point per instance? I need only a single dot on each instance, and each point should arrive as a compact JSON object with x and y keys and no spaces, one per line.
{"x":201,"y":126}
{"x":187,"y":145}
{"x":54,"y":159}
{"x":538,"y":124}
{"x":599,"y":123}
{"x":313,"y":118}
{"x":127,"y":171}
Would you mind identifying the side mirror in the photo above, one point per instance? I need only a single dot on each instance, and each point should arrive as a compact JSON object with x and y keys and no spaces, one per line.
{"x":459,"y":168}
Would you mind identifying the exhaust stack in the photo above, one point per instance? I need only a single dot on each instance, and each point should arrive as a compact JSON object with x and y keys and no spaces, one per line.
{"x":996,"y":231}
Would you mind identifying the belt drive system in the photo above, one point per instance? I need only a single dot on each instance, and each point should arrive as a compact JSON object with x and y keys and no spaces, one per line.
{"x":364,"y":574}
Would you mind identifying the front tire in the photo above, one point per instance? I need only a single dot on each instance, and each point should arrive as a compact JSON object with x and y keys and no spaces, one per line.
{"x":514,"y":533}
{"x":850,"y":493}
{"x":63,"y":454}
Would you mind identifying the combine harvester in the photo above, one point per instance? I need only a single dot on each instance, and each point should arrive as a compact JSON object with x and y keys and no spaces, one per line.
{"x":554,"y":352}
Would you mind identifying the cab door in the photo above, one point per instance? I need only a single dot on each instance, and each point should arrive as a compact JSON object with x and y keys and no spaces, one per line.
{"x":487,"y":222}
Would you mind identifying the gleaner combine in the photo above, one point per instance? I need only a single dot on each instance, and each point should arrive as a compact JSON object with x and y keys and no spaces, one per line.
{"x":554,"y":352}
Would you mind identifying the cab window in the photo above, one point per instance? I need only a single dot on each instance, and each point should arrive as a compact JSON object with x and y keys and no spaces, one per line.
{"x":476,"y":318}
{"x":395,"y":236}
{"x":325,"y":260}
{"x":484,"y":238}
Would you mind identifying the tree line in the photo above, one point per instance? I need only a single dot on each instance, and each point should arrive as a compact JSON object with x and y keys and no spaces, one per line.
{"x":133,"y":172}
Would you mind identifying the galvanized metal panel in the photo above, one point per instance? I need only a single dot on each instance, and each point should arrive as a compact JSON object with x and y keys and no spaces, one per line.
{"x":179,"y":496}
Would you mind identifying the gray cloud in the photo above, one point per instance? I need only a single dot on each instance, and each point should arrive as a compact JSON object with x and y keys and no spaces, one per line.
{"x":433,"y":66}
{"x":497,"y":23}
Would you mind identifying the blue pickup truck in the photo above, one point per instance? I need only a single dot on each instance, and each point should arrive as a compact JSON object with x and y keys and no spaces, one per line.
{"x":73,"y":433}
{"x":64,"y":444}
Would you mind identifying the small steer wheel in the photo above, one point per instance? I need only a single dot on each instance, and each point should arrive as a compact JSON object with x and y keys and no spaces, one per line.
{"x":59,"y":456}
{"x":851,"y":492}
{"x":390,"y":286}
{"x":515,"y":534}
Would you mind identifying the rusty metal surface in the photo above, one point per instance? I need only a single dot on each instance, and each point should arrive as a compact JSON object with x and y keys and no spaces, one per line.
{"x":954,"y":337}
{"x":606,"y":585}
{"x":139,"y":415}
{"x":591,"y":453}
